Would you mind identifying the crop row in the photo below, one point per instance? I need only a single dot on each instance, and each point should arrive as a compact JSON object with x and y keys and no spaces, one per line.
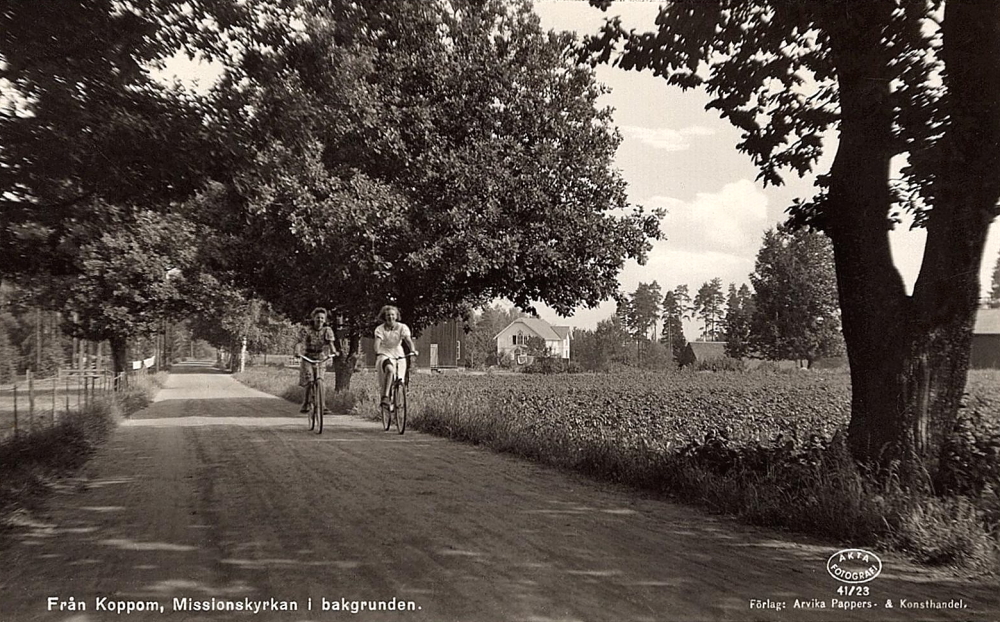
{"x":655,"y":411}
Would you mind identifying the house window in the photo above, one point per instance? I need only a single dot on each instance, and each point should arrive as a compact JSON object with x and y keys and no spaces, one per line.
{"x":513,"y":340}
{"x":520,"y":339}
{"x":458,"y":350}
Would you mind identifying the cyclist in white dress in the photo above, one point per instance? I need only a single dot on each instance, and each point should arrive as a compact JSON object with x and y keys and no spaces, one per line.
{"x":390,"y":336}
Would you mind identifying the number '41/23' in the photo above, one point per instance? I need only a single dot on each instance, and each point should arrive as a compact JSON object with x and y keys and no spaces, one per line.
{"x":853,"y":590}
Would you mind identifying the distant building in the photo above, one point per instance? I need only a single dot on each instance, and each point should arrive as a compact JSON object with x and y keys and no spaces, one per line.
{"x":986,"y":340}
{"x":697,"y":351}
{"x":513,"y":339}
{"x":438,"y":346}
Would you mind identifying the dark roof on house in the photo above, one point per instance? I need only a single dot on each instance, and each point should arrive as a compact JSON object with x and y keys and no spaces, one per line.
{"x":704,"y":350}
{"x":987,"y":322}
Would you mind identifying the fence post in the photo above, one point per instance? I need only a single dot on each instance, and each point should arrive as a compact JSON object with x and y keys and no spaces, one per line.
{"x":67,"y":394}
{"x":55,"y":383}
{"x":15,"y":407}
{"x":31,"y":401}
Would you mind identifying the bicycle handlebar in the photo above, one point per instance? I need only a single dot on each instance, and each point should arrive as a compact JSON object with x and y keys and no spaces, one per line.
{"x":306,"y":358}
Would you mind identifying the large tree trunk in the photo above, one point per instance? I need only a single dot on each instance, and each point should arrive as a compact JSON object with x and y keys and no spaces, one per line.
{"x":909,"y":354}
{"x":856,"y":219}
{"x":348,"y":344}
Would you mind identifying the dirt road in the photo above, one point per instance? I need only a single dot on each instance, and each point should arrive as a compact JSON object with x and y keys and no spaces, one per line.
{"x":218,"y":496}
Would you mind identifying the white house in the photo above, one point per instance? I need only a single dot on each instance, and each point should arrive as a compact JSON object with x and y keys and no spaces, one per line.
{"x":514,"y":338}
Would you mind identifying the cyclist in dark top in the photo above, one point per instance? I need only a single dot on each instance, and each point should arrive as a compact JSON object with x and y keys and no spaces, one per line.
{"x":318,"y":343}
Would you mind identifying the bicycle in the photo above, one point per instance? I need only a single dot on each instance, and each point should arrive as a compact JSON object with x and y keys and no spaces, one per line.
{"x":397,"y":397}
{"x":318,"y":397}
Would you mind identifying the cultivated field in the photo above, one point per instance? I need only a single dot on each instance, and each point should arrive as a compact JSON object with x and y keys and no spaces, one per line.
{"x":640,"y":409}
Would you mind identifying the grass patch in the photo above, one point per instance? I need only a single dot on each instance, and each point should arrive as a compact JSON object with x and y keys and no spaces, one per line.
{"x":761,"y":447}
{"x":30,"y":462}
{"x":283,"y":383}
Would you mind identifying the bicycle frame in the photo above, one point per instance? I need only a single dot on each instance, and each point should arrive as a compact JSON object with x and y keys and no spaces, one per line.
{"x":318,"y":399}
{"x":392,"y":410}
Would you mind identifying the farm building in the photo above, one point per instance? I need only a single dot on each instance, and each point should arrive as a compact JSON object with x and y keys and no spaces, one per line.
{"x":986,"y":340}
{"x":513,"y":339}
{"x":696,"y":351}
{"x":438,"y":346}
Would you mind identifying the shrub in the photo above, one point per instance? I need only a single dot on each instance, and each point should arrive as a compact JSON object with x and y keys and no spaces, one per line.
{"x":722,"y":363}
{"x":970,"y":462}
{"x":8,"y":357}
{"x":552,"y":365}
{"x":768,"y":367}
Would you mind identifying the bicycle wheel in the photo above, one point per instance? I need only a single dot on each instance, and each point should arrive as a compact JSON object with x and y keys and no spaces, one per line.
{"x":399,"y":398}
{"x":386,"y":414}
{"x":312,"y":408}
{"x":319,"y":405}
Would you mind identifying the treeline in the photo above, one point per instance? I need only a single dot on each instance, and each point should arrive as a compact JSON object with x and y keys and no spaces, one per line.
{"x":788,"y":312}
{"x":38,"y":339}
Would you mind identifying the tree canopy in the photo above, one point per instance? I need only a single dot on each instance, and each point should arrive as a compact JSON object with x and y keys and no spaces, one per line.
{"x":434,"y":156}
{"x":96,"y":153}
{"x":676,"y":308}
{"x":737,"y":325}
{"x":86,"y":132}
{"x":709,"y":307}
{"x":796,"y":315}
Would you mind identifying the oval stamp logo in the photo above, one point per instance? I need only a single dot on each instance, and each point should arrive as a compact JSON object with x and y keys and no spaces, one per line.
{"x":854,"y":566}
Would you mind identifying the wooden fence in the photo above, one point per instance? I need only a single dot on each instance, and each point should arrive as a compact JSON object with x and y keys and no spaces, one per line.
{"x":34,"y":402}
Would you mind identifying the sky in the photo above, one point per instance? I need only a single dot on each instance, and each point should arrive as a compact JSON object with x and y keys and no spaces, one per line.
{"x":678,"y":156}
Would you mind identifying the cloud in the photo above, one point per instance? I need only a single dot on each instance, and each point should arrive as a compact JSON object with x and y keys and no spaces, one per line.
{"x":671,"y":268}
{"x":665,"y":138}
{"x":730,"y":221}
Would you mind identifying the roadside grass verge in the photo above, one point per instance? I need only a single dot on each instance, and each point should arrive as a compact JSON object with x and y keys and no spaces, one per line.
{"x":30,"y":462}
{"x":283,"y":383}
{"x":767,"y":449}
